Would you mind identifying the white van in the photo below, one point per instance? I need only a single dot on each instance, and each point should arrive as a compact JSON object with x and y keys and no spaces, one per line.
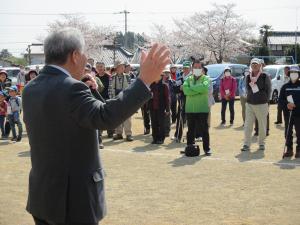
{"x":12,"y":73}
{"x":276,"y":73}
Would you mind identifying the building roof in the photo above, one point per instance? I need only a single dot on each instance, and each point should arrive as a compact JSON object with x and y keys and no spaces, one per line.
{"x":107,"y":55}
{"x":283,"y":38}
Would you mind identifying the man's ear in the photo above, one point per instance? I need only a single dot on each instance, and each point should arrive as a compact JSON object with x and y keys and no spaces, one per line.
{"x":75,"y":57}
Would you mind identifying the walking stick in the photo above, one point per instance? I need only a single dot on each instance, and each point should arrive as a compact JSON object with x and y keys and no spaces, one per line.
{"x":181,"y":122}
{"x":286,"y":135}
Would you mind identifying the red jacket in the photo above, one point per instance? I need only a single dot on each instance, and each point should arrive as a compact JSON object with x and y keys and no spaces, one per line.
{"x":228,"y":83}
{"x":3,"y":108}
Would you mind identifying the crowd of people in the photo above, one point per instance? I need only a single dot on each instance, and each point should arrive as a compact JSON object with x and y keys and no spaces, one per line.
{"x":69,"y":105}
{"x":183,"y":96}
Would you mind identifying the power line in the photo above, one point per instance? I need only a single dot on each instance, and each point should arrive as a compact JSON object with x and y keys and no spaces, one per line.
{"x":137,"y":12}
{"x":12,"y":42}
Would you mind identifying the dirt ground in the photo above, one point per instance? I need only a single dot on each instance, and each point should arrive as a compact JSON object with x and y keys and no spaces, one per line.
{"x":154,"y":185}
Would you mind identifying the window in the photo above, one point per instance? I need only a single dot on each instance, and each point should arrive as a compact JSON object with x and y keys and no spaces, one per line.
{"x":273,"y":47}
{"x":271,"y":71}
{"x":279,"y":47}
{"x":13,"y":73}
{"x":237,"y":71}
{"x":281,"y":73}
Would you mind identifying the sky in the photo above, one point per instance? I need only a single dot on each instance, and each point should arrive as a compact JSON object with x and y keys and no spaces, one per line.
{"x":23,"y":22}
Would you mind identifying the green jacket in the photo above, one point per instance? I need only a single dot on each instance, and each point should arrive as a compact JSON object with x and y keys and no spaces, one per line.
{"x":196,"y":92}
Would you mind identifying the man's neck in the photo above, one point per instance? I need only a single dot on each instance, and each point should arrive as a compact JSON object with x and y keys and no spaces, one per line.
{"x":255,"y":73}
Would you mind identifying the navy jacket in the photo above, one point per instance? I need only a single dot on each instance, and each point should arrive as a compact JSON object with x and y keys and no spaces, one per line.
{"x":290,"y":89}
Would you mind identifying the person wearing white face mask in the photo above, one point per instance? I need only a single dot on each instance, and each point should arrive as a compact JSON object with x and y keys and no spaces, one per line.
{"x":228,"y":88}
{"x":289,"y":100}
{"x":196,"y":90}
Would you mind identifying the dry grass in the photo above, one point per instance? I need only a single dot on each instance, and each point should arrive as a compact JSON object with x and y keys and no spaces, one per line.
{"x":155,"y":185}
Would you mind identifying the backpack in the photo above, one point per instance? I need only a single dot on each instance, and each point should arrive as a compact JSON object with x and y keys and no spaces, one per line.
{"x":191,"y":151}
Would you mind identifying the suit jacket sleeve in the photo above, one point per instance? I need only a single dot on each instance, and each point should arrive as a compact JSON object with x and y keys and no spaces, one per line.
{"x":91,"y":113}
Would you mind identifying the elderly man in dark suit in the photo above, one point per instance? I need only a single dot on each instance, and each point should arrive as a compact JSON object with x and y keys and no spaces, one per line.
{"x":66,"y":181}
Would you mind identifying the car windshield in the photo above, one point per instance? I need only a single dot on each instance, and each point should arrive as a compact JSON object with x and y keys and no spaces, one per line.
{"x":12,"y":73}
{"x":215,"y":71}
{"x":271,"y":71}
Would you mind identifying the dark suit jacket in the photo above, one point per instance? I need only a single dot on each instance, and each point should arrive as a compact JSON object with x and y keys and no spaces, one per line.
{"x":61,"y":117}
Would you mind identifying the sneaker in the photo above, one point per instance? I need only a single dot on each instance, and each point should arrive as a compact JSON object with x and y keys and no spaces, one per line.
{"x":261,"y":147}
{"x":19,"y":138}
{"x":129,"y":138}
{"x":14,"y":139}
{"x":208,"y":153}
{"x":3,"y":137}
{"x":245,"y":148}
{"x":278,"y":122}
{"x":199,"y":139}
{"x":118,"y":137}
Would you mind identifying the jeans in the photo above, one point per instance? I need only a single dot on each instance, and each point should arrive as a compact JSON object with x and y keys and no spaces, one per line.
{"x":174,"y":110}
{"x":231,"y":109}
{"x":199,"y":120}
{"x":12,"y":123}
{"x":2,"y":118}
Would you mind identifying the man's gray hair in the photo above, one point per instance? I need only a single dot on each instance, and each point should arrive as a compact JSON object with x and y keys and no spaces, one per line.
{"x":61,"y":43}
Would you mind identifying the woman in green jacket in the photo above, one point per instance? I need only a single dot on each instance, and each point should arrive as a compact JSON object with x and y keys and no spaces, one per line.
{"x":196,"y":90}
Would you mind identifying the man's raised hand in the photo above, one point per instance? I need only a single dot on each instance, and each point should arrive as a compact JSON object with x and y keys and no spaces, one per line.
{"x":153,"y":63}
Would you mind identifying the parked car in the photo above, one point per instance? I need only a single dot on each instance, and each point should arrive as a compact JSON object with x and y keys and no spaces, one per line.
{"x":276,"y":73}
{"x":12,"y":73}
{"x":215,"y":72}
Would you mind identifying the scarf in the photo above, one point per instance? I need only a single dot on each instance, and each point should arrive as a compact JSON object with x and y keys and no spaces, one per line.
{"x":254,"y":78}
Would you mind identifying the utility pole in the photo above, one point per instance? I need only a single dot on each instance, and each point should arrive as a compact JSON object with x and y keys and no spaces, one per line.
{"x":125,"y":34}
{"x":114,"y":50}
{"x":29,"y":54}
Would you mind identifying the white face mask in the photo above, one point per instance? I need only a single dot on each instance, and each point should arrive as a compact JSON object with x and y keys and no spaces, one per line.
{"x":294,"y":76}
{"x":227,"y":74}
{"x":197,"y":72}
